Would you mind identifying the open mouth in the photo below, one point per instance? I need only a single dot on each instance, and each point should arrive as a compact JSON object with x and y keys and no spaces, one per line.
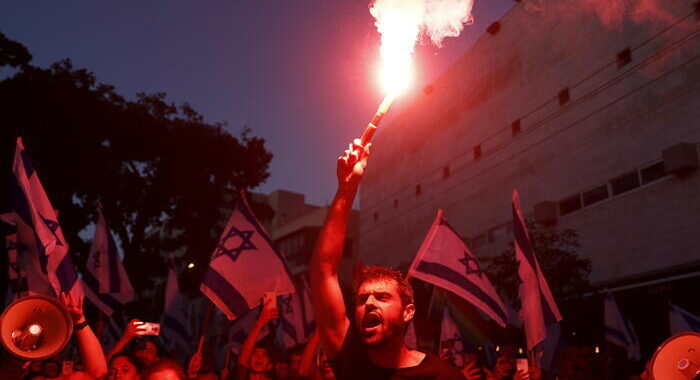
{"x":371,"y":321}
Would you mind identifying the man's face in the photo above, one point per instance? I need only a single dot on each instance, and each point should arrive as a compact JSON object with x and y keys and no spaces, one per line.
{"x":379,"y":314}
{"x":147,"y":353}
{"x":259,"y":360}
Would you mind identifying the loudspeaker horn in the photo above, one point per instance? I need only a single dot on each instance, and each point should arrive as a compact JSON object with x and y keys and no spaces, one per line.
{"x":35,"y":328}
{"x":678,"y":358}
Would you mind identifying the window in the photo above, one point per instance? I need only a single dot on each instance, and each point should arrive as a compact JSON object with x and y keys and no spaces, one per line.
{"x":515,"y":127}
{"x":396,"y":203}
{"x":446,"y":172}
{"x":595,"y":195}
{"x":418,"y":189}
{"x":624,"y":57}
{"x":564,"y":96}
{"x":477,"y":152}
{"x":624,"y":183}
{"x":570,"y":204}
{"x":375,"y":216}
{"x":652,"y":172}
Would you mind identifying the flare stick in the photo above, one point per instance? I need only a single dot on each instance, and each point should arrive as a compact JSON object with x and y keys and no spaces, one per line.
{"x":377,"y":119}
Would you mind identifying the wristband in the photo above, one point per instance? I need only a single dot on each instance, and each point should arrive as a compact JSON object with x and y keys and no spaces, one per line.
{"x":80,"y":326}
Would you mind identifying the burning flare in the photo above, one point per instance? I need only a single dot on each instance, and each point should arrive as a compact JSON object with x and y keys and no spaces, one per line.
{"x":401,"y":23}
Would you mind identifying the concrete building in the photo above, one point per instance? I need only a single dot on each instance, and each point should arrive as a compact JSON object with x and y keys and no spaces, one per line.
{"x":295,"y":228}
{"x":592,"y":114}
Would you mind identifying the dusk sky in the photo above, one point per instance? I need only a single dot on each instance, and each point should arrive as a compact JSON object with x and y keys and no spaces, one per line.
{"x":301,"y":74}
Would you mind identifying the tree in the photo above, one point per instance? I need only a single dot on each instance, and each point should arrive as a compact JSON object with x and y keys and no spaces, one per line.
{"x":566,"y":272}
{"x":166,"y":178}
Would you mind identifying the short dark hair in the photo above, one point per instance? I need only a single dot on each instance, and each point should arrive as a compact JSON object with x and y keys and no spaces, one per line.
{"x":378,"y":273}
{"x":128,"y":356}
{"x":165,"y":365}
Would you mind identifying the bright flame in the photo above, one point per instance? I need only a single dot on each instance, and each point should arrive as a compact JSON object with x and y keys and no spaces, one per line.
{"x":400,"y":22}
{"x":35,"y":329}
{"x":190,"y":265}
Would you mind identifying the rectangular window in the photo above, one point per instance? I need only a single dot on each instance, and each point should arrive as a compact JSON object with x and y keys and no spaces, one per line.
{"x":624,"y":183}
{"x":564,"y":96}
{"x":418,"y":189}
{"x":595,"y":195}
{"x":375,"y":216}
{"x":396,"y":203}
{"x":624,"y":57}
{"x":477,"y":152}
{"x":570,"y":204}
{"x":652,"y":172}
{"x":515,"y":128}
{"x":446,"y":172}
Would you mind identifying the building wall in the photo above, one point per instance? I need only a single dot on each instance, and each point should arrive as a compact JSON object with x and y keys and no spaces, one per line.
{"x":618,"y":118}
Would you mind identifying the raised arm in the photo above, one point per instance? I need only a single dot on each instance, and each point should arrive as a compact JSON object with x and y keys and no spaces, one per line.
{"x":332,"y":322}
{"x":268,"y":313}
{"x":90,"y":348}
{"x":129,"y":334}
{"x":307,"y":356}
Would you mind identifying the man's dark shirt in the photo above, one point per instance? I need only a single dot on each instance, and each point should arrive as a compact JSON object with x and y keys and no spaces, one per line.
{"x":353,"y":362}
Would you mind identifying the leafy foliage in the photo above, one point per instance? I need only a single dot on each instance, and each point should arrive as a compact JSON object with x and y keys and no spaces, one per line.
{"x":166,"y":178}
{"x":566,"y":272}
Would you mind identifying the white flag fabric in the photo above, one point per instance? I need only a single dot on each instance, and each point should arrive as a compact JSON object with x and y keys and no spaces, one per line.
{"x":539,"y":310}
{"x":291,"y":327}
{"x":107,"y":284}
{"x":619,"y":330}
{"x":174,"y":324}
{"x":244,"y":266}
{"x":37,"y":225}
{"x":451,"y":338}
{"x":445,"y":261}
{"x":682,"y":321}
{"x":410,"y":339}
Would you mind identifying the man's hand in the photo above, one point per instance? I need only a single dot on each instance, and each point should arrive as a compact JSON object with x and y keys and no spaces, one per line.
{"x":471,"y":371}
{"x":74,"y":307}
{"x":351,"y":166}
{"x":131,"y":330}
{"x":269,"y":311}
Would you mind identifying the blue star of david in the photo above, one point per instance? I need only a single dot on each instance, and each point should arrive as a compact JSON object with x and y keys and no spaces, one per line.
{"x":287,"y":304}
{"x":245,"y":244}
{"x":471,"y":266}
{"x":53,"y":227}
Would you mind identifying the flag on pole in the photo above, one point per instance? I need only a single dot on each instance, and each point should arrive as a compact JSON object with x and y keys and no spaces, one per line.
{"x":174,"y":324}
{"x":452,"y":339}
{"x":291,"y":329}
{"x":619,"y":330}
{"x":244,"y":266}
{"x":411,"y":339}
{"x":539,"y":310}
{"x":682,"y":321}
{"x":445,"y":261}
{"x":107,"y":284}
{"x":37,"y":225}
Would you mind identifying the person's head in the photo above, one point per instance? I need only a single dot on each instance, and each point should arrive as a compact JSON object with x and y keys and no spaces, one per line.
{"x":260,"y":360}
{"x":324,"y":366}
{"x":51,"y":369}
{"x":146,"y":351}
{"x":383,"y":305}
{"x":282,"y":370}
{"x":164,"y":369}
{"x":505,"y":362}
{"x":124,"y":367}
{"x":295,"y":358}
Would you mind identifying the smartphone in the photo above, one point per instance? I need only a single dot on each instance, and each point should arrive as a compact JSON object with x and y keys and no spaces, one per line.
{"x":522,"y":366}
{"x":148,"y":328}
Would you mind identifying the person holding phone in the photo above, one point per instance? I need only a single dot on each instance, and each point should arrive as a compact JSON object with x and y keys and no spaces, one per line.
{"x":254,"y":361}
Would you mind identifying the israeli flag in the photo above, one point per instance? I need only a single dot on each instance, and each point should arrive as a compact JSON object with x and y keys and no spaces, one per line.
{"x":244,"y":266}
{"x":293,"y":327}
{"x":108,"y":286}
{"x":682,"y":321}
{"x":37,"y":226}
{"x":174,"y":324}
{"x":619,"y":330}
{"x":539,"y":310}
{"x":445,"y":261}
{"x":452,"y":339}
